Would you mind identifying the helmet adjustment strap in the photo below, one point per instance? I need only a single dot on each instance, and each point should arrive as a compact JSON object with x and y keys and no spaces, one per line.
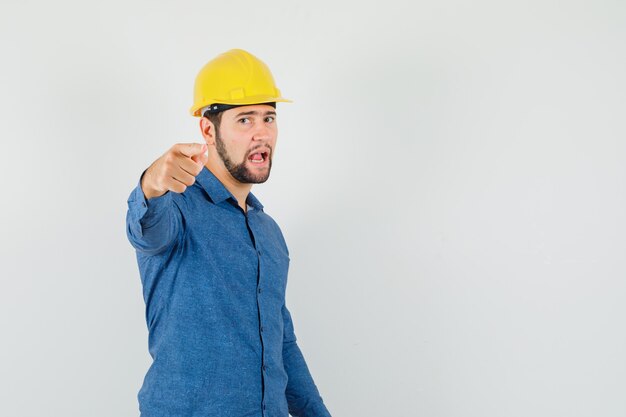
{"x":219,"y":107}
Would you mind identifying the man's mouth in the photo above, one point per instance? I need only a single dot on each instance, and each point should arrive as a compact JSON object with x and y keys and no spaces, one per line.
{"x":259,"y":158}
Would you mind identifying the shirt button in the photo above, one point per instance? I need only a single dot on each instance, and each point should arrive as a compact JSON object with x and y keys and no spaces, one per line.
{"x":259,"y":290}
{"x":261,"y":328}
{"x":264,"y":406}
{"x":259,"y":252}
{"x":264,"y":368}
{"x":143,"y":203}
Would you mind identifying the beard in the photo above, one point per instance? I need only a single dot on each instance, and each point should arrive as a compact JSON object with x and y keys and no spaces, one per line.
{"x":240,"y":171}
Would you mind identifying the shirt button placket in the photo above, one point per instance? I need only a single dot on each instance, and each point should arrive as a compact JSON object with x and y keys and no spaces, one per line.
{"x":263,"y":367}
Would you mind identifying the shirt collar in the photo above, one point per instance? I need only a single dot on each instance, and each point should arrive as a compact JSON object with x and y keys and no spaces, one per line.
{"x":218,"y":192}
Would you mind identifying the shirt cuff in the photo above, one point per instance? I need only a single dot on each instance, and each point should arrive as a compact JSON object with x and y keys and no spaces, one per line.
{"x":142,"y":210}
{"x":318,"y":409}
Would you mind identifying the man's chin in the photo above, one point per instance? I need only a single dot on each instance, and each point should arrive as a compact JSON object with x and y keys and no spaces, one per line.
{"x":258,"y":175}
{"x":250,"y":178}
{"x":259,"y":179}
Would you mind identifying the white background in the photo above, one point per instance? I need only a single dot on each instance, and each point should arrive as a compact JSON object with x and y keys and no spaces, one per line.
{"x":450,"y":180}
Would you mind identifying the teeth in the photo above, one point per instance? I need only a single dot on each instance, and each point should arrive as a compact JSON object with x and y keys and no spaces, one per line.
{"x":258,"y":161}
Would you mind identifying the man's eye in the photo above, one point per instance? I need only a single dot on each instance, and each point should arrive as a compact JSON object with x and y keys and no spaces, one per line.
{"x":269,"y":119}
{"x":243,"y":120}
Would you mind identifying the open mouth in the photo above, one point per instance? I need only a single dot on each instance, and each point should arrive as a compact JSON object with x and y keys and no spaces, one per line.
{"x":259,"y":157}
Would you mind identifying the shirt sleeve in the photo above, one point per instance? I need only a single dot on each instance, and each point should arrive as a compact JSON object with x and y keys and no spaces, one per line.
{"x":152,"y":225}
{"x":303,"y":397}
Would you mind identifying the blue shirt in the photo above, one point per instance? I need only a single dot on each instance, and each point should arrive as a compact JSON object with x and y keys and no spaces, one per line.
{"x":220,"y":334}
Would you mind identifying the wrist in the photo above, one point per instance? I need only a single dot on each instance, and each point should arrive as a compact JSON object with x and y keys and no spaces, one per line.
{"x":148,"y":190}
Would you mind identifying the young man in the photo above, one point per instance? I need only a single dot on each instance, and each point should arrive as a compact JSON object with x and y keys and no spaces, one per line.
{"x":214,"y":265}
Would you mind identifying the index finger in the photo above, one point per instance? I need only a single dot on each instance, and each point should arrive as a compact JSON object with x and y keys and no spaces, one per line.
{"x":191,"y":149}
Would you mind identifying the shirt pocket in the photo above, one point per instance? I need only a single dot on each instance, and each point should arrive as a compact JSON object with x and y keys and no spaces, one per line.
{"x":275,"y":269}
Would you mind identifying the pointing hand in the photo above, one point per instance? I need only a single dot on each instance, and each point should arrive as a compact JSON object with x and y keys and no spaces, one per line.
{"x":175,"y":170}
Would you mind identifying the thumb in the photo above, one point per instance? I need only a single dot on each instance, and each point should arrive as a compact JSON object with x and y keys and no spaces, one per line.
{"x":191,"y":149}
{"x":201,"y":158}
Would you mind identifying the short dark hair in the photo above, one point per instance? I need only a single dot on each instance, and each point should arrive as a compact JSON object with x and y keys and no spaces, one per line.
{"x":215,"y":118}
{"x":214,"y":113}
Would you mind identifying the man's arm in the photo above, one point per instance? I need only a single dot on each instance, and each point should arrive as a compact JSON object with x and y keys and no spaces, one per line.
{"x":152,"y":225}
{"x":303,"y":397}
{"x":153,"y":220}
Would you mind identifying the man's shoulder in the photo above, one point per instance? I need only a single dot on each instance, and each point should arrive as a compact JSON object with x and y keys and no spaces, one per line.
{"x":268,"y":218}
{"x":191,"y":197}
{"x":273,"y":228}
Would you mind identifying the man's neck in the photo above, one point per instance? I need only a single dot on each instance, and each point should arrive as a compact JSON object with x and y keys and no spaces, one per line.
{"x":239,"y":190}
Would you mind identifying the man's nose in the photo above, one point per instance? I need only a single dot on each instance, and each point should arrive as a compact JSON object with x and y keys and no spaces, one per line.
{"x":262,"y":132}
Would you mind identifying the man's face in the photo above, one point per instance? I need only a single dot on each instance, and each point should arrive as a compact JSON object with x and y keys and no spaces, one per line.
{"x":245,"y":142}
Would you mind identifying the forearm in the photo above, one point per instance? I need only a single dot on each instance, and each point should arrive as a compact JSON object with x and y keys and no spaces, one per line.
{"x":151,"y":224}
{"x":303,"y":397}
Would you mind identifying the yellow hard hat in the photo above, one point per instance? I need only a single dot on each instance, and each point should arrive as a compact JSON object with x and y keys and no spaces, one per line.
{"x":235,"y":77}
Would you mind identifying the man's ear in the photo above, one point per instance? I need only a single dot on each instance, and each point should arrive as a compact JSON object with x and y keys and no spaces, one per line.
{"x":208,"y":130}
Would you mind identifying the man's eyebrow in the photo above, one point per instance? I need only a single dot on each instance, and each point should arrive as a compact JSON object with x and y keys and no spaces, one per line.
{"x":254,"y":112}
